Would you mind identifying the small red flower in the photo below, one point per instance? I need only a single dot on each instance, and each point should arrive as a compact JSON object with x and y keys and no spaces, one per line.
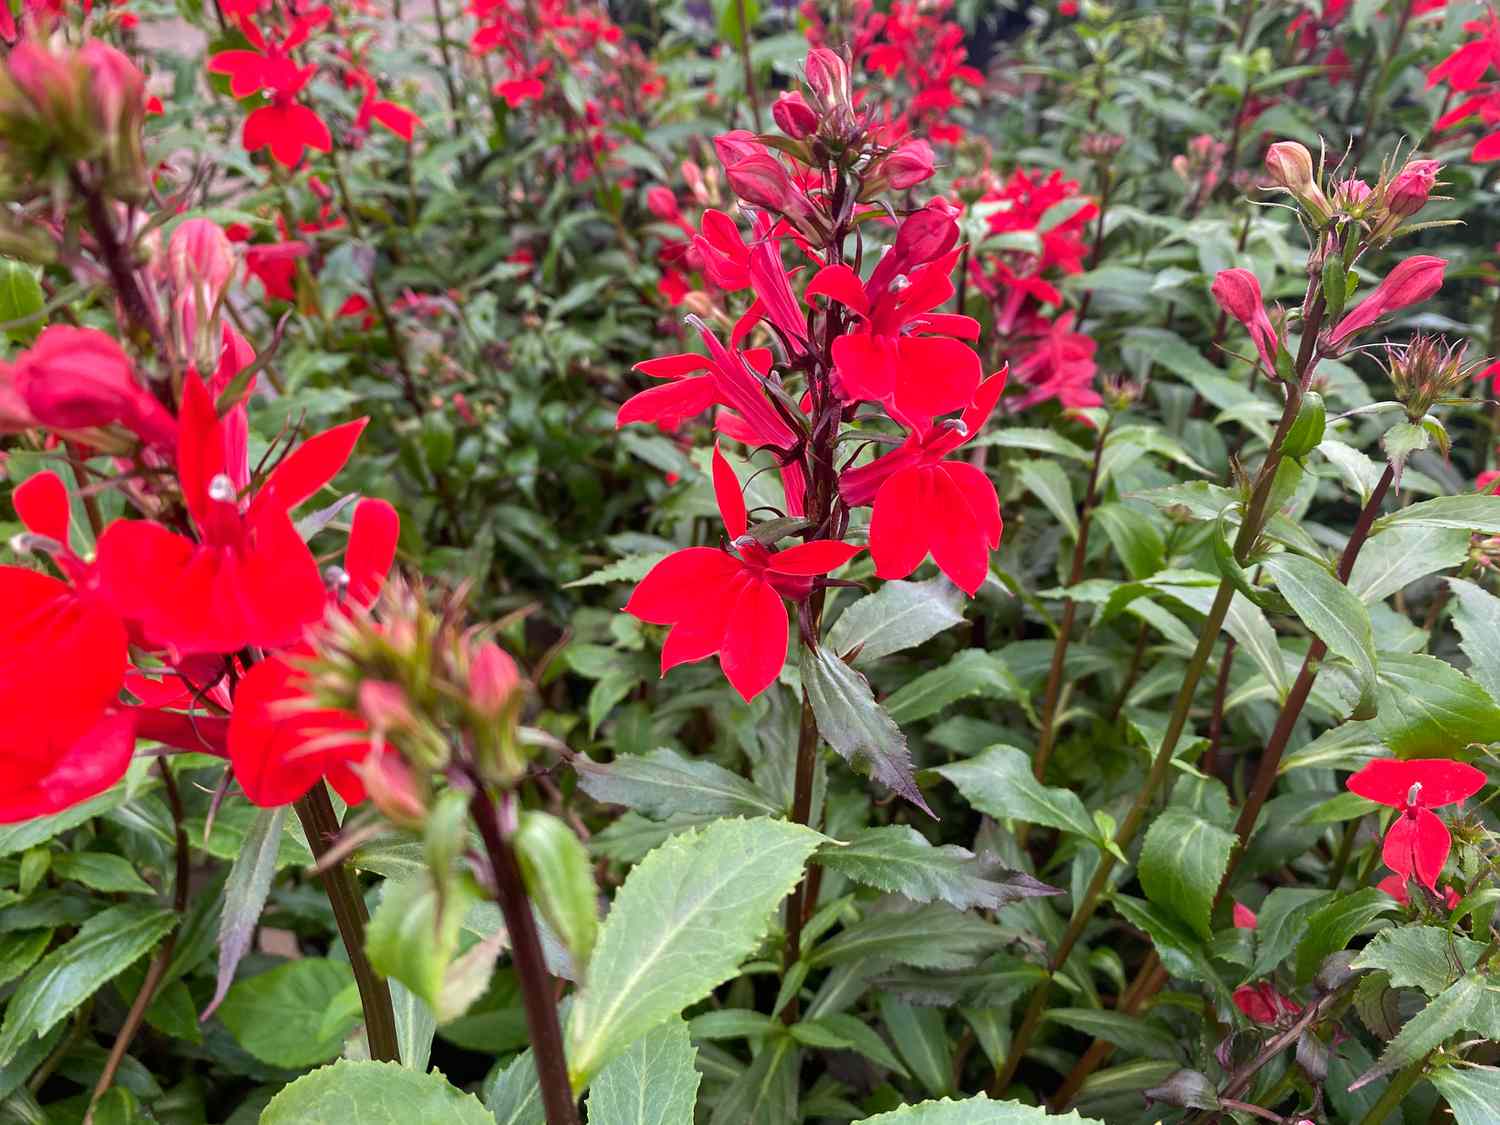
{"x":1417,"y":842}
{"x":729,"y":601}
{"x":1412,"y":280}
{"x":1244,"y":917}
{"x":1262,"y":1003}
{"x":924,"y":504}
{"x":1238,"y":293}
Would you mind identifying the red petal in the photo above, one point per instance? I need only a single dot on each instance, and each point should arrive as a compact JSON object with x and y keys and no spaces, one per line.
{"x":950,"y":324}
{"x":673,"y":366}
{"x":693,"y":640}
{"x":670,"y":404}
{"x":398,"y":119}
{"x":676,"y":588}
{"x":309,"y":467}
{"x":979,"y":493}
{"x":371,"y":550}
{"x":94,"y":762}
{"x":1417,"y":846}
{"x":936,"y":376}
{"x":867,"y":366}
{"x":200,"y":450}
{"x":958,"y":534}
{"x":755,"y":644}
{"x":899,"y":523}
{"x":730,"y":499}
{"x":1388,"y":781}
{"x":842,"y":284}
{"x":817,"y":557}
{"x":42,"y":503}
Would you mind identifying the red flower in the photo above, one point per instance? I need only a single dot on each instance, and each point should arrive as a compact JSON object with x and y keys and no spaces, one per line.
{"x":287,"y":127}
{"x":1412,"y":280}
{"x":1055,"y":362}
{"x":249,"y":579}
{"x":1417,"y":842}
{"x":1244,"y":917}
{"x":1395,"y":886}
{"x":729,"y":601}
{"x":891,"y":359}
{"x":74,"y":378}
{"x":280,"y":742}
{"x":62,"y":662}
{"x":397,"y":118}
{"x":924,"y":504}
{"x":1264,"y":1004}
{"x":1238,"y":293}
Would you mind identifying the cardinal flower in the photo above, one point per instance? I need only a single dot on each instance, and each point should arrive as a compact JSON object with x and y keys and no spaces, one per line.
{"x":924,"y":504}
{"x":1412,"y":280}
{"x":1417,"y":843}
{"x":74,"y":378}
{"x":1264,"y":1004}
{"x":281,"y":742}
{"x":730,"y":600}
{"x":249,"y":579}
{"x":285,"y":125}
{"x":1238,"y":294}
{"x":62,"y":661}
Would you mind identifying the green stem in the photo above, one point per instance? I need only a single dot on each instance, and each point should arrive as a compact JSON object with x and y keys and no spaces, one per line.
{"x":321,"y":825}
{"x":750,"y":92}
{"x":1395,"y":1090}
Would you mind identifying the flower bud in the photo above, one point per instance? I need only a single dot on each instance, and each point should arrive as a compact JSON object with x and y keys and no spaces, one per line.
{"x":200,"y":261}
{"x":493,"y":679}
{"x":793,"y":116}
{"x":828,"y":76}
{"x":117,"y":95}
{"x":762,"y":181}
{"x":736,"y":145}
{"x":909,"y":165}
{"x":1413,"y":184}
{"x":1238,"y":293}
{"x":383,"y":705}
{"x":1413,"y":280}
{"x":1290,"y":166}
{"x":393,"y":788}
{"x":75,"y":378}
{"x":15,"y":415}
{"x":662,"y":203}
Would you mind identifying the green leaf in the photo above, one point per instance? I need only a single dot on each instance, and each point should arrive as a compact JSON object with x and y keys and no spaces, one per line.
{"x":973,"y":672}
{"x":21,"y":299}
{"x":663,"y":783}
{"x":841,"y":1031}
{"x":1419,"y":956}
{"x":1395,"y":559}
{"x":1047,"y":481}
{"x":685,"y":918}
{"x":898,"y":616}
{"x":766,"y":1092}
{"x":559,"y":880}
{"x":1130,"y":1032}
{"x":102,"y":871}
{"x":21,"y":950}
{"x":922,"y":1040}
{"x":104,"y":947}
{"x":1471,"y":511}
{"x":1472,"y":1093}
{"x":1280,"y":924}
{"x":858,"y":729}
{"x":999,"y":782}
{"x":1359,"y":471}
{"x":416,"y":1024}
{"x":29,"y":833}
{"x":630,"y":569}
{"x":899,"y":859}
{"x":1428,"y":708}
{"x":1427,"y":1029}
{"x":514,"y":1095}
{"x":1182,"y":862}
{"x":653,"y":1083}
{"x":413,"y":937}
{"x":729,"y":19}
{"x":1333,"y":613}
{"x":1400,"y":442}
{"x":975,"y":1111}
{"x":1476,"y":613}
{"x":278,"y":1015}
{"x":1134,"y":537}
{"x":934,"y":936}
{"x":1331,"y":926}
{"x":245,"y":892}
{"x":1039,"y":441}
{"x":372,"y":1093}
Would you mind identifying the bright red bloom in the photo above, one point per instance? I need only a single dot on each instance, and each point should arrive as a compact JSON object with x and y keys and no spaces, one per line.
{"x":729,"y":601}
{"x":397,"y":118}
{"x":1238,"y":294}
{"x":1417,"y":842}
{"x":1412,"y":280}
{"x":925,"y":504}
{"x":1020,"y":207}
{"x":1395,"y":886}
{"x":286,"y":126}
{"x":1263,"y":1004}
{"x":280,"y":742}
{"x":1055,"y":362}
{"x":249,"y":579}
{"x":74,"y":378}
{"x":892,"y":359}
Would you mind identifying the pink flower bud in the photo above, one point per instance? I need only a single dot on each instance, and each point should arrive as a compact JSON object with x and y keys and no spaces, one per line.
{"x":493,"y":679}
{"x":909,"y":165}
{"x":1413,"y":184}
{"x":736,"y":145}
{"x":200,"y":253}
{"x":793,"y":116}
{"x":762,"y":181}
{"x":1238,"y":294}
{"x":1290,"y":166}
{"x":74,"y":378}
{"x":1414,"y":280}
{"x":828,"y":75}
{"x":117,"y":96}
{"x":15,"y":415}
{"x":393,"y":789}
{"x":383,"y":705}
{"x":1350,"y":193}
{"x":662,"y":203}
{"x":1244,"y":917}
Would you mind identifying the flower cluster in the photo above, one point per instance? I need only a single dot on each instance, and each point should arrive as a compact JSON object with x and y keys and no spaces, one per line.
{"x":1464,"y":73}
{"x":856,"y":358}
{"x":1418,"y":842}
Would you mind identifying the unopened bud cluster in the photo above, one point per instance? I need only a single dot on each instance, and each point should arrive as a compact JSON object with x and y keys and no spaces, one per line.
{"x":1380,"y":212}
{"x":1429,"y":370}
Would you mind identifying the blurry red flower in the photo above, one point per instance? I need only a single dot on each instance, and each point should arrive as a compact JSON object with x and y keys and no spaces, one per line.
{"x":1263,"y":1004}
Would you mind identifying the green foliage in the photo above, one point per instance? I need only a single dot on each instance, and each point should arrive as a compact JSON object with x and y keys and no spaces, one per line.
{"x":371,"y":1093}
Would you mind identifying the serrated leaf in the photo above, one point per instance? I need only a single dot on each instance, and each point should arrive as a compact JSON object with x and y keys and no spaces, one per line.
{"x":999,"y":782}
{"x":1049,"y":484}
{"x":858,"y":729}
{"x":922,"y":1039}
{"x":629,"y":569}
{"x":278,"y":1015}
{"x":899,"y":615}
{"x":101,"y":871}
{"x":1419,"y":956}
{"x":1441,"y":1018}
{"x":975,"y":1111}
{"x":765,"y":1093}
{"x":842,"y":1031}
{"x":1134,"y":537}
{"x":899,"y":859}
{"x":1130,"y":1032}
{"x":372,"y":1093}
{"x":972,"y":673}
{"x":1472,"y":1092}
{"x":1040,"y":441}
{"x":1401,"y":555}
{"x":1182,"y":862}
{"x":684,"y":919}
{"x":1476,"y":613}
{"x":934,"y":936}
{"x":245,"y":892}
{"x":663,"y":783}
{"x":104,"y":947}
{"x":1280,"y":924}
{"x":1333,"y":613}
{"x":1359,"y":472}
{"x":514,"y":1095}
{"x":654,"y":1082}
{"x":1471,"y":511}
{"x":1331,"y":926}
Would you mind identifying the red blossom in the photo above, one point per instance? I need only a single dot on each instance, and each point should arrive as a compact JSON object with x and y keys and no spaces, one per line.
{"x":1412,"y":280}
{"x":729,"y":600}
{"x":1263,"y":1004}
{"x":74,"y":378}
{"x":1238,"y":293}
{"x":1417,"y":842}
